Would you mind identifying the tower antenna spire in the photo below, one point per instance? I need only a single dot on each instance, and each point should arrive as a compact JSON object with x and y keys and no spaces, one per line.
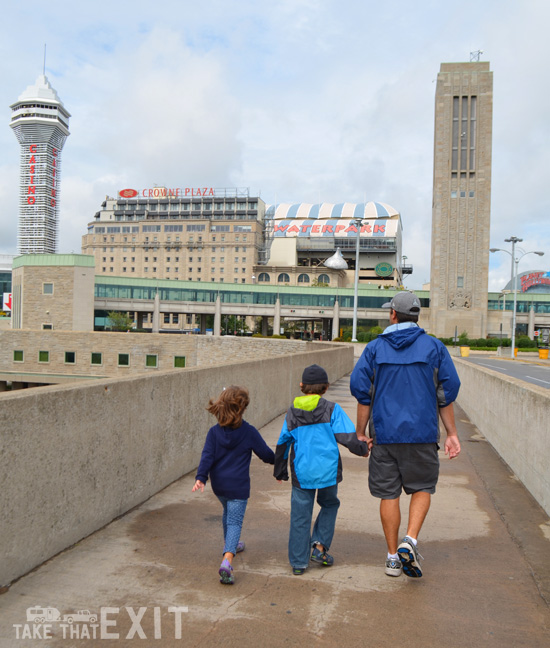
{"x":44,"y":66}
{"x":475,"y":56}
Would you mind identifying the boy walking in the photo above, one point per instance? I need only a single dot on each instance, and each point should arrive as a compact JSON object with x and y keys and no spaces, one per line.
{"x":311,"y":431}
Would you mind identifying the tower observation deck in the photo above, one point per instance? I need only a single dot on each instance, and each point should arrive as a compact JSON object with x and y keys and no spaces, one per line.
{"x":41,"y":124}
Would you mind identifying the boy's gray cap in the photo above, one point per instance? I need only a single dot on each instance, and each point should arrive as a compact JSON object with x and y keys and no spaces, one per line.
{"x":314,"y":375}
{"x":404,"y":302}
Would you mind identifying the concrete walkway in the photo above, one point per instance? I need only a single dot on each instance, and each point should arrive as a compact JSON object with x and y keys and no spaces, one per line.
{"x":486,"y":571}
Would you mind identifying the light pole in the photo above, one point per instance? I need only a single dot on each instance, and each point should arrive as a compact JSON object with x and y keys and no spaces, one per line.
{"x":503,"y":293}
{"x":358,"y":222}
{"x":515,"y":262}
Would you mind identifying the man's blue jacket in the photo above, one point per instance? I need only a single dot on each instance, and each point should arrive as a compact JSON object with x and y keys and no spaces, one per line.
{"x":405,"y":376}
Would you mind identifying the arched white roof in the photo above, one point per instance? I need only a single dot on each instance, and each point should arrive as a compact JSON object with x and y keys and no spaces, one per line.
{"x":285,"y":211}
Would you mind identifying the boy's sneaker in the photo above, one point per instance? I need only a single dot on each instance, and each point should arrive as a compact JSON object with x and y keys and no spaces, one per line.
{"x":322,"y":557}
{"x":409,"y":557}
{"x":240,"y":546}
{"x":226,"y":573}
{"x":298,"y":571}
{"x":393,"y":567}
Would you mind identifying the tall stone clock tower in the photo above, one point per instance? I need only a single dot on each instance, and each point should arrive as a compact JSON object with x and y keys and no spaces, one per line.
{"x":461,"y":207}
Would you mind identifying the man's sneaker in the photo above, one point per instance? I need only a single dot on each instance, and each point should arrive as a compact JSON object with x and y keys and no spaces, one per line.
{"x":393,"y":567}
{"x":240,"y":546}
{"x":298,"y":571}
{"x":409,"y":557}
{"x":322,"y":557}
{"x":226,"y":573}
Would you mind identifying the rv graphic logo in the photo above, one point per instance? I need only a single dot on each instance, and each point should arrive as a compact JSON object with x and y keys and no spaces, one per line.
{"x":48,"y":622}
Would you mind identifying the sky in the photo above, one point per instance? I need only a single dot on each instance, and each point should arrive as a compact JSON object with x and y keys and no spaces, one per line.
{"x":297,"y":100}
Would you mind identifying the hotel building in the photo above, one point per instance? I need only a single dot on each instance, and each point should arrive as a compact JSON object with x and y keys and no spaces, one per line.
{"x":200,"y":234}
{"x":229,"y":236}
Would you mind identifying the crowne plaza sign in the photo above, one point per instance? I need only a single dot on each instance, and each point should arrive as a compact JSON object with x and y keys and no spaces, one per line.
{"x":163,"y":192}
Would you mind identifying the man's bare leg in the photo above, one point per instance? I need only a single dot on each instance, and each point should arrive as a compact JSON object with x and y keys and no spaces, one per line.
{"x":419,"y":507}
{"x":390,"y":514}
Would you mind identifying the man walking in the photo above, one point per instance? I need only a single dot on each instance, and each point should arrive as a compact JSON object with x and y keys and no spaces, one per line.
{"x":403,"y":382}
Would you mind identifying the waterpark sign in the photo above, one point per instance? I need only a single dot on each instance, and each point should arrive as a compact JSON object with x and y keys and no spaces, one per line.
{"x":338,"y":227}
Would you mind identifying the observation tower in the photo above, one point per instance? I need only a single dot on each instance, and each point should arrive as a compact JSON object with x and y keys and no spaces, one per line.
{"x":41,"y":124}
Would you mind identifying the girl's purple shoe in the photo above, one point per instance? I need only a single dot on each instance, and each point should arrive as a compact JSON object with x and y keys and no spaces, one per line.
{"x":226,"y":573}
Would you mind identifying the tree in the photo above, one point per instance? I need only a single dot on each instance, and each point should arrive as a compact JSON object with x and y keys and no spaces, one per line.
{"x":120,"y":321}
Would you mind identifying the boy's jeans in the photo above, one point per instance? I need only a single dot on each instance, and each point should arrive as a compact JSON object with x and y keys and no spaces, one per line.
{"x":301,"y":511}
{"x":232,"y":520}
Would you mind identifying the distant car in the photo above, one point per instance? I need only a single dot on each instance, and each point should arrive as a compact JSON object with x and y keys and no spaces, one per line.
{"x":82,"y":616}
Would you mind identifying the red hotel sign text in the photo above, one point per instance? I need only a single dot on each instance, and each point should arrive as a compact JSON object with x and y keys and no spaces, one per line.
{"x":162,"y":192}
{"x":31,"y":190}
{"x":534,"y":279}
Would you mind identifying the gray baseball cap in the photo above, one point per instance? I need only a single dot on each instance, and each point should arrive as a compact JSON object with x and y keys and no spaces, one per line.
{"x":404,"y":302}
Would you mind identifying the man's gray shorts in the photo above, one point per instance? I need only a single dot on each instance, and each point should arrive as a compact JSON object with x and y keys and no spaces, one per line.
{"x":412,"y":467}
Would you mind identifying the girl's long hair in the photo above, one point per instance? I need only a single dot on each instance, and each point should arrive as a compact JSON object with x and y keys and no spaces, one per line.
{"x":229,"y":406}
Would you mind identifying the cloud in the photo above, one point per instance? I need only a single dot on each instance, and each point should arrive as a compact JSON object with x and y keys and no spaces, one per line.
{"x":300,"y":100}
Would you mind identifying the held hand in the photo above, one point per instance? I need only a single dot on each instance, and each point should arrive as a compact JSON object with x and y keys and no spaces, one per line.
{"x":452,"y":446}
{"x":198,"y":484}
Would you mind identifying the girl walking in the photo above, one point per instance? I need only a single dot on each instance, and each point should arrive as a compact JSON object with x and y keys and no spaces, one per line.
{"x":226,"y":458}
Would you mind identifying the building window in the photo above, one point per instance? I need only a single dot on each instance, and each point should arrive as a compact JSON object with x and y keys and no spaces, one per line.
{"x":43,"y":356}
{"x":283,"y":278}
{"x":460,"y":282}
{"x":123,"y":360}
{"x":323,"y":278}
{"x":179,"y":362}
{"x":70,"y":357}
{"x":167,"y":318}
{"x":264,"y":277}
{"x":18,"y":356}
{"x":47,"y":288}
{"x":453,"y":194}
{"x":47,"y":327}
{"x":151,"y":360}
{"x":96,"y":359}
{"x":303,"y":278}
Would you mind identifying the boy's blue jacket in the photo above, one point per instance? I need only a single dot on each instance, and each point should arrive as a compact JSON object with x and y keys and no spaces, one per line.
{"x":312,"y":429}
{"x":405,"y":376}
{"x":226,"y":457}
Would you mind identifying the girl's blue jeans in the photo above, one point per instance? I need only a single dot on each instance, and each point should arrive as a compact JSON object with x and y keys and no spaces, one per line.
{"x":233,"y":515}
{"x":301,"y":539}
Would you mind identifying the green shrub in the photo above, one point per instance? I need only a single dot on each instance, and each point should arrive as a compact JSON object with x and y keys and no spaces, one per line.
{"x":525,"y":342}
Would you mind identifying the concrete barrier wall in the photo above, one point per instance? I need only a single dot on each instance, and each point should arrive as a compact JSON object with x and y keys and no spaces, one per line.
{"x":72,"y":458}
{"x":197,"y":350}
{"x":514,"y":417}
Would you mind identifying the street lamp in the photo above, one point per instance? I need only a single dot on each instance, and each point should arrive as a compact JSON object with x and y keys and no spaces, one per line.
{"x":357,"y":222}
{"x":503,"y":293}
{"x":515,"y":262}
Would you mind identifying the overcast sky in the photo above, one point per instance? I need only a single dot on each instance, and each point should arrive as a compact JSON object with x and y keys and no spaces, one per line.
{"x":299,"y":100}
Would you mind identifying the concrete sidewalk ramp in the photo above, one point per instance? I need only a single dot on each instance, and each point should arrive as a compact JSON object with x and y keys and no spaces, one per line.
{"x":151,"y":576}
